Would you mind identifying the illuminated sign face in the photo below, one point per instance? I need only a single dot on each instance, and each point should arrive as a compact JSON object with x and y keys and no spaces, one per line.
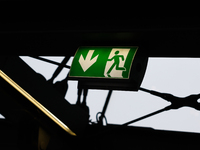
{"x":103,"y":62}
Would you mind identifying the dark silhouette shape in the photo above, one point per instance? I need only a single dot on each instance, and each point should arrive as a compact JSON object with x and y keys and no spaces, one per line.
{"x":116,"y":63}
{"x":83,"y":105}
{"x":177,"y":102}
{"x":62,"y":86}
{"x":59,"y":69}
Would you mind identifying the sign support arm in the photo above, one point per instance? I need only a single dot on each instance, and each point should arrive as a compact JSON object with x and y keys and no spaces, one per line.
{"x":100,"y":121}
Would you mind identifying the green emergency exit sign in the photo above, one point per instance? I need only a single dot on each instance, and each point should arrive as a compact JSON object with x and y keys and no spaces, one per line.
{"x":103,"y":62}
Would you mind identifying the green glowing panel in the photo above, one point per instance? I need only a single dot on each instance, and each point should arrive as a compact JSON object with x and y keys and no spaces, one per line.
{"x":103,"y":62}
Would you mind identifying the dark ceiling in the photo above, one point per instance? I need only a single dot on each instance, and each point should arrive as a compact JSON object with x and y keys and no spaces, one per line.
{"x":43,"y":34}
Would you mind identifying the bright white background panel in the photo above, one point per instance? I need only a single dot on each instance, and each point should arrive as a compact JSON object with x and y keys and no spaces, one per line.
{"x":178,"y":76}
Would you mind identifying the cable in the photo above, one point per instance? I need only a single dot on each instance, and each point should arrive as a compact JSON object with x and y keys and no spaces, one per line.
{"x":177,"y":102}
{"x":50,"y":61}
{"x":148,"y":115}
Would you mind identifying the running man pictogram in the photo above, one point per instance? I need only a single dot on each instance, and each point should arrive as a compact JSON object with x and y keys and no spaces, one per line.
{"x":116,"y":63}
{"x":103,"y":62}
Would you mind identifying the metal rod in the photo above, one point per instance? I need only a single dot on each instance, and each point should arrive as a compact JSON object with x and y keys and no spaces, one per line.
{"x":79,"y":96}
{"x":146,"y":116}
{"x":105,"y":107}
{"x":59,"y":69}
{"x":85,"y":93}
{"x":50,"y":61}
{"x":145,"y":90}
{"x":107,"y":101}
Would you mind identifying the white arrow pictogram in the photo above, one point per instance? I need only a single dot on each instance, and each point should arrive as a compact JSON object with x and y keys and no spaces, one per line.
{"x":87,"y":62}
